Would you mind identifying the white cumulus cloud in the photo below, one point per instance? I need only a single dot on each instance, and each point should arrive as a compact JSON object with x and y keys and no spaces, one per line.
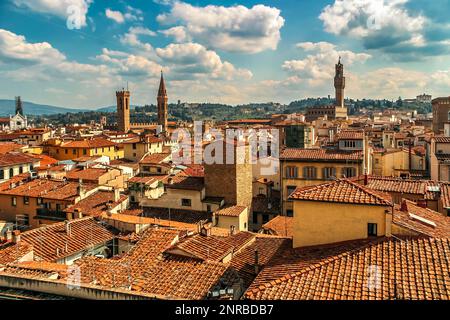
{"x":235,"y":29}
{"x":191,"y":59}
{"x":59,"y":8}
{"x":318,"y":65}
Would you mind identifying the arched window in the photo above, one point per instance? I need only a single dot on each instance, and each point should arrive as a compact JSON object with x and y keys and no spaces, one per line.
{"x":11,"y":172}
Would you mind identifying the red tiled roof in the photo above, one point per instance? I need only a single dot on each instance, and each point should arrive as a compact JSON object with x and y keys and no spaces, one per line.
{"x":90,"y":143}
{"x":351,"y":135}
{"x":342,"y":191}
{"x":52,"y":242}
{"x":184,"y":182}
{"x":230,"y":211}
{"x":422,"y":220}
{"x":415,"y":268}
{"x":155,"y":158}
{"x":14,"y":252}
{"x":320,"y":154}
{"x":86,"y":174}
{"x":15,"y":158}
{"x":280,"y":226}
{"x":6,"y":147}
{"x":388,"y":184}
{"x":97,"y":203}
{"x":204,"y":248}
{"x":45,"y":160}
{"x":48,"y":189}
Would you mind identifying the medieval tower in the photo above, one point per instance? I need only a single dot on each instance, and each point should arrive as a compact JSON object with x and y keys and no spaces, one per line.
{"x":339,"y":84}
{"x":19,"y":106}
{"x":123,"y":110}
{"x":162,"y":105}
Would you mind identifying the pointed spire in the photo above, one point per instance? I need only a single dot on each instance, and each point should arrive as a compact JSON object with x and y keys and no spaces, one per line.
{"x":339,"y":62}
{"x":162,"y":86}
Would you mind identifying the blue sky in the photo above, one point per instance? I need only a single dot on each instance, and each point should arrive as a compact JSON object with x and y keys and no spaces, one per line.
{"x":76,"y":53}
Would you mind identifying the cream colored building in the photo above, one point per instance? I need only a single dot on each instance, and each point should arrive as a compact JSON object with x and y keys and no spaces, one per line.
{"x":339,"y":211}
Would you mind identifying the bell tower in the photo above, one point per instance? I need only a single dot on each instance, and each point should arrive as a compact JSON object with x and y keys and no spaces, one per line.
{"x":162,"y":100}
{"x":339,"y":84}
{"x":123,"y":110}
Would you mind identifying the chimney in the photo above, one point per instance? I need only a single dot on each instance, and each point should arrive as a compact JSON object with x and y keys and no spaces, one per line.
{"x":77,"y":214}
{"x":116,"y":194}
{"x":205,"y":230}
{"x":404,"y":206}
{"x":16,"y":236}
{"x":67,"y":226}
{"x":81,"y":192}
{"x":256,"y":262}
{"x":9,"y":235}
{"x":170,"y":180}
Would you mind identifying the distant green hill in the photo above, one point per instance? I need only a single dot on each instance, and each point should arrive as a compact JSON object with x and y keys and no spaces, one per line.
{"x":7,"y":107}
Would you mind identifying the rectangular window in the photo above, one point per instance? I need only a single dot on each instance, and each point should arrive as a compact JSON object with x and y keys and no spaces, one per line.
{"x":265,"y":218}
{"x":26,"y":200}
{"x":134,"y":146}
{"x":39,"y":201}
{"x":348,"y":172}
{"x":20,"y":170}
{"x":66,"y":151}
{"x":2,"y":174}
{"x":371,"y":229}
{"x":186,"y":202}
{"x":84,"y":151}
{"x":329,"y":173}
{"x":74,"y":151}
{"x":14,"y":201}
{"x":291,"y":172}
{"x":309,"y":173}
{"x":290,"y":212}
{"x":58,"y":207}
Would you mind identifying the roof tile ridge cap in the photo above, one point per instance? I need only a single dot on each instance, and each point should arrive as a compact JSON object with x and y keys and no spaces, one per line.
{"x":369,"y":191}
{"x":321,"y":263}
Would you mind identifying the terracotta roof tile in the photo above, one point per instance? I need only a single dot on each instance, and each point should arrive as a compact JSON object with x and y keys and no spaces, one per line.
{"x":89,"y":143}
{"x":414,"y":268}
{"x":319,"y":154}
{"x":15,"y":158}
{"x":421,"y":220}
{"x":342,"y":191}
{"x":97,"y":203}
{"x":155,"y":158}
{"x":52,"y":242}
{"x":230,"y":211}
{"x":280,"y":226}
{"x":350,"y":135}
{"x":6,"y":147}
